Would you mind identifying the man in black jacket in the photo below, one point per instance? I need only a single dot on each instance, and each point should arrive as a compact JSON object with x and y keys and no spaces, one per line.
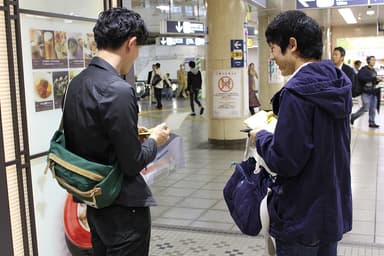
{"x":100,"y":123}
{"x":194,"y":86}
{"x":368,"y":79}
{"x":338,"y":59}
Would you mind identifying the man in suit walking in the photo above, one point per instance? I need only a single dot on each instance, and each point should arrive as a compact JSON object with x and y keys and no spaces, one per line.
{"x":338,"y":59}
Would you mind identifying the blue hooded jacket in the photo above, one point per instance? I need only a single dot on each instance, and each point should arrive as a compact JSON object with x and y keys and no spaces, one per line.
{"x":310,"y":152}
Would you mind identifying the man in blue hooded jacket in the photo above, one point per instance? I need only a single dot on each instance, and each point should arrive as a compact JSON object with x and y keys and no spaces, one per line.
{"x":310,"y":206}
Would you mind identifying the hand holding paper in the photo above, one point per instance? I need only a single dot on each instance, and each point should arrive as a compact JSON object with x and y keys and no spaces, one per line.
{"x":262,"y":120}
{"x":160,"y":134}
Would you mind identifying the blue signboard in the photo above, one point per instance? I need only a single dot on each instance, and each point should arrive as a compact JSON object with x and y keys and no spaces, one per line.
{"x":304,"y":4}
{"x":185,"y":27}
{"x":237,"y":53}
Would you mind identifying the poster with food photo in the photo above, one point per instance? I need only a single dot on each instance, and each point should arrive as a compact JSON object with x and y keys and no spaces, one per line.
{"x":60,"y":84}
{"x":90,"y":48}
{"x":42,"y":86}
{"x":75,"y":44}
{"x":47,"y":49}
{"x":60,"y":46}
{"x":37,"y":44}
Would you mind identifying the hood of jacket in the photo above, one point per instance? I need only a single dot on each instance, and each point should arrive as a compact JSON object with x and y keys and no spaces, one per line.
{"x":324,"y":85}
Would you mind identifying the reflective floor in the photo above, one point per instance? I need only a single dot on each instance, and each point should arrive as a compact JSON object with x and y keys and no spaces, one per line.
{"x":191,"y":217}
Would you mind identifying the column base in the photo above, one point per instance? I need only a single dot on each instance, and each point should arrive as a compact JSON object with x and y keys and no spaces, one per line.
{"x":228,"y":144}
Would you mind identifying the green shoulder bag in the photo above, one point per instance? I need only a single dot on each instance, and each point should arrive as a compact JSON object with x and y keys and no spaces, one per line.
{"x":94,"y":184}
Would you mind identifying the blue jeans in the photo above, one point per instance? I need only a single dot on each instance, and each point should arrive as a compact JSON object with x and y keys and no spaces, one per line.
{"x":369,"y":104}
{"x":295,"y":249}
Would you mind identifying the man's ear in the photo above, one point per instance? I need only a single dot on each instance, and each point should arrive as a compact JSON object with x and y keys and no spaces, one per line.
{"x":131,"y":42}
{"x":292,"y":44}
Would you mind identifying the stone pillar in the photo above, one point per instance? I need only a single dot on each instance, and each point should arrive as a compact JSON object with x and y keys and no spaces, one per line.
{"x":226,"y":86}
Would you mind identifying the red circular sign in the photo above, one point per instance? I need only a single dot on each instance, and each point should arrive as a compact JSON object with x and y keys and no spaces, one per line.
{"x":225,"y":84}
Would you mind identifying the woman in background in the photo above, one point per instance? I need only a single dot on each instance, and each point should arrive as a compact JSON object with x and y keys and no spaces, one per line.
{"x":253,"y":100}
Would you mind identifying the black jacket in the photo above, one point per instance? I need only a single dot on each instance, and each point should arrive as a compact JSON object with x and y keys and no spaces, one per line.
{"x":100,"y":124}
{"x":350,"y":73}
{"x":353,"y":77}
{"x":149,"y":77}
{"x":368,"y":79}
{"x":194,"y":80}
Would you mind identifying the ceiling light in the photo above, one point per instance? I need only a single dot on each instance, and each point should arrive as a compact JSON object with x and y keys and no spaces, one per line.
{"x":347,"y":15}
{"x":370,"y":11}
{"x":163,"y":8}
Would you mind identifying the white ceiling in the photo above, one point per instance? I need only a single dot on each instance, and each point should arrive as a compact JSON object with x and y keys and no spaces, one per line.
{"x":195,"y":10}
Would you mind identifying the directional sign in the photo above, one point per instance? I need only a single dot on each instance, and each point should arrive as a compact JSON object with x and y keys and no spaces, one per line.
{"x":237,"y":53}
{"x":169,"y":41}
{"x":304,"y":4}
{"x":185,"y":27}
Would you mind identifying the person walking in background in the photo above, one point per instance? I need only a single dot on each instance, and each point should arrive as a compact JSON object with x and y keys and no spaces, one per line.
{"x":100,"y":123}
{"x":150,"y":90}
{"x":150,"y":74}
{"x":338,"y":59}
{"x":310,"y":206}
{"x":181,"y":81}
{"x":253,"y":100}
{"x":168,"y":87}
{"x":194,"y":87}
{"x":368,"y":80}
{"x":158,"y":85}
{"x":356,"y":66}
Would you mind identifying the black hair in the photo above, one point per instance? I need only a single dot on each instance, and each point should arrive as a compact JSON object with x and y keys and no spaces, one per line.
{"x":157,"y":65}
{"x":116,"y":25}
{"x":369,"y":58}
{"x":357,"y":62}
{"x":298,"y":25}
{"x":341,"y":50}
{"x":192,"y":64}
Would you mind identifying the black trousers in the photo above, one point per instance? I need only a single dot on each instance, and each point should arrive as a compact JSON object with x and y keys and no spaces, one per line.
{"x":194,"y":96}
{"x":119,"y":230}
{"x":158,"y":97}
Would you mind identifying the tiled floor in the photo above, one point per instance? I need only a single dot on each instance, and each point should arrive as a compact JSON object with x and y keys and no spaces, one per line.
{"x":177,"y":242}
{"x":191,"y":198}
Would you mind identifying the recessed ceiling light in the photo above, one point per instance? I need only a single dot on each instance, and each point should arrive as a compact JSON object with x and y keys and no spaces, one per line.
{"x":370,"y":11}
{"x":347,"y":15}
